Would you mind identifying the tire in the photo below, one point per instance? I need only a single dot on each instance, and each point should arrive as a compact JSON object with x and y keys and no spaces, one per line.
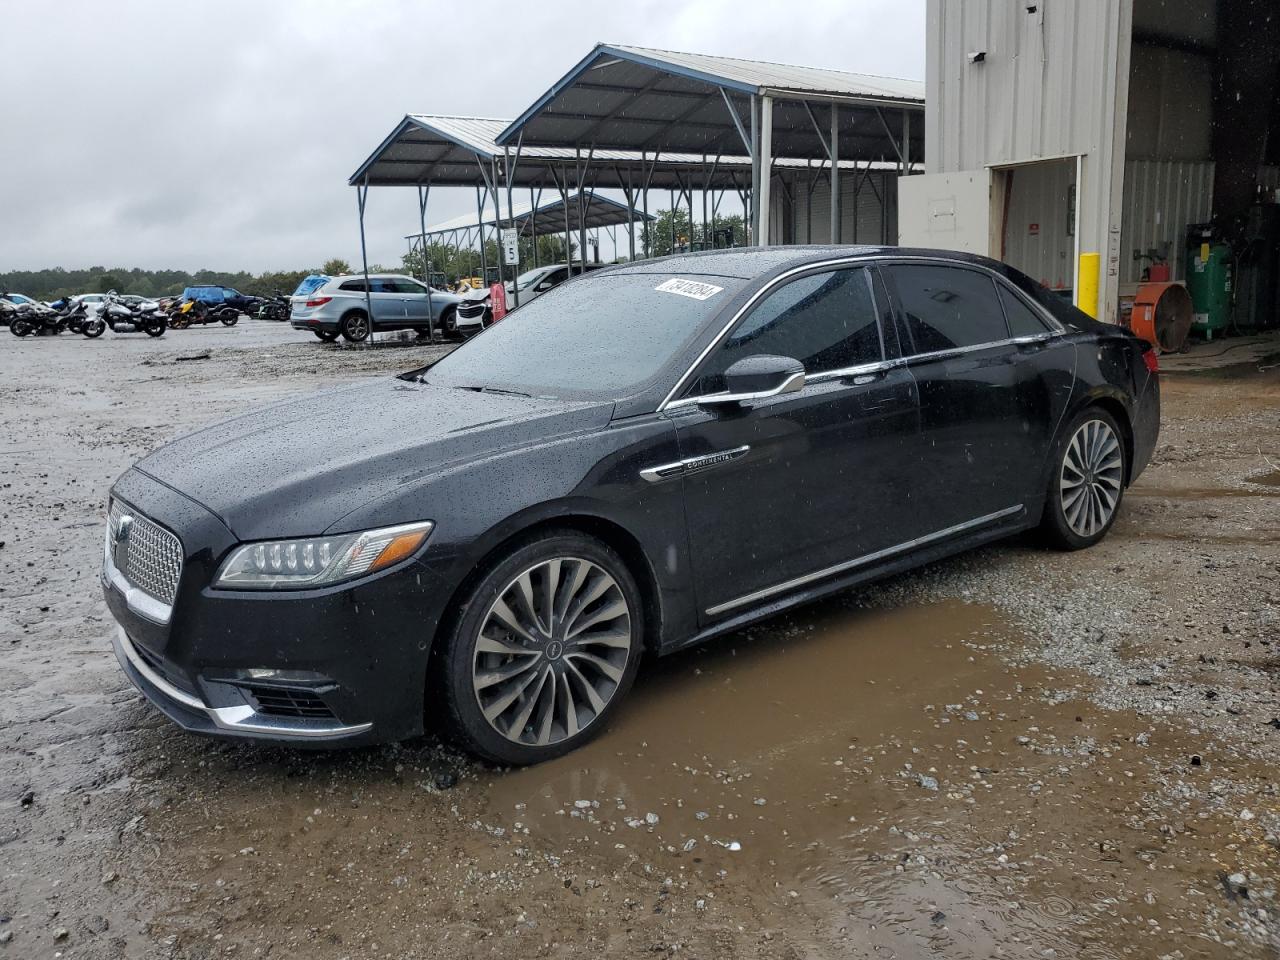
{"x":355,"y":327}
{"x":328,"y":336}
{"x":449,"y":322}
{"x":93,"y":328}
{"x":1086,"y":484}
{"x":21,"y":328}
{"x":602,"y":658}
{"x":230,"y":319}
{"x":154,"y":328}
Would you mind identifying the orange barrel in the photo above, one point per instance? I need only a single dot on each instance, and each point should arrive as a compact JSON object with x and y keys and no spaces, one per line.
{"x":1162,"y":315}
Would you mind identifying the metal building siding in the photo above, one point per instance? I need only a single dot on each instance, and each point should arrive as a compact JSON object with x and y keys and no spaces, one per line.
{"x":1160,"y":198}
{"x":1054,"y":83}
{"x":869,"y":216}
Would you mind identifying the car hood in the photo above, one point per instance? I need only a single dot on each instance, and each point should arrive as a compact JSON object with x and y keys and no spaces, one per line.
{"x":297,"y":468}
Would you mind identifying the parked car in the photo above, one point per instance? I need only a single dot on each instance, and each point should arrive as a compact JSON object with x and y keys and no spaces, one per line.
{"x":339,"y":306}
{"x":19,"y":299}
{"x":648,"y":457}
{"x":475,"y":311}
{"x":216,"y":296}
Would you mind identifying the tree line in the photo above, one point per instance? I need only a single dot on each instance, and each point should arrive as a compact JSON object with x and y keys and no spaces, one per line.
{"x":447,"y":259}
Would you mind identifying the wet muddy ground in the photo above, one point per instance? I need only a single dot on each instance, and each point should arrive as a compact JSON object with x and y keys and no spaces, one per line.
{"x":1014,"y":753}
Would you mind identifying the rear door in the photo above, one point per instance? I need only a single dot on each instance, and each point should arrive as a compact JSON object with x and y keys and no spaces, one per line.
{"x":781,"y":490}
{"x":982,"y":433}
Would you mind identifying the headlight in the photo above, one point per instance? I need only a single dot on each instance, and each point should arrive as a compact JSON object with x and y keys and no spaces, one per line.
{"x":319,"y":561}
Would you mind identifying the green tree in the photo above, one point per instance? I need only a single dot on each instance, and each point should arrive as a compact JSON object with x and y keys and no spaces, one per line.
{"x":106,"y":282}
{"x":335,"y":267}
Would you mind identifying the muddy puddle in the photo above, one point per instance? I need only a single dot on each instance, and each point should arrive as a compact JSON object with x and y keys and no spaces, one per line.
{"x":887,"y":776}
{"x":852,"y":782}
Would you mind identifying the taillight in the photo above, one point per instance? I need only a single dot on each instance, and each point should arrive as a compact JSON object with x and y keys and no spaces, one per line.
{"x":1152,"y":360}
{"x":318,"y":301}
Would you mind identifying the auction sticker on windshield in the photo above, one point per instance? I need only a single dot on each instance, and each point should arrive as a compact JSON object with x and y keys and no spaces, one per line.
{"x":689,"y":288}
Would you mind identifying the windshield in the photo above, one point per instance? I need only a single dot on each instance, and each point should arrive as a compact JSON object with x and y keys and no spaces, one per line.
{"x":597,"y":337}
{"x":529,"y":278}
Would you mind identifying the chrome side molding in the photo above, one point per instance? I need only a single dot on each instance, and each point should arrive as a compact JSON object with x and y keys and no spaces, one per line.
{"x":792,"y":384}
{"x":681,"y":468}
{"x":884,"y":554}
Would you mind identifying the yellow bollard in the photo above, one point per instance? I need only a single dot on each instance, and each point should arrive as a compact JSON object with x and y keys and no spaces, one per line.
{"x":1087,"y":283}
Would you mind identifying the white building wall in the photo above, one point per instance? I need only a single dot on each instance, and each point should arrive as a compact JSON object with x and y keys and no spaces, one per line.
{"x":1053,"y":83}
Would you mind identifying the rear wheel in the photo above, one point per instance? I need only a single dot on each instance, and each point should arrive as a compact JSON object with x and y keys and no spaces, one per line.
{"x":328,"y":336}
{"x":1087,"y":484}
{"x":21,"y":328}
{"x":546,"y":646}
{"x":355,"y":327}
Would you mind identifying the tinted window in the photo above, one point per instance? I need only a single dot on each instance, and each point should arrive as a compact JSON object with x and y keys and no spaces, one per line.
{"x":1023,"y":321}
{"x":947,"y":307}
{"x":406,"y":286}
{"x":599,"y":337}
{"x":827,"y":321}
{"x":357,"y":285}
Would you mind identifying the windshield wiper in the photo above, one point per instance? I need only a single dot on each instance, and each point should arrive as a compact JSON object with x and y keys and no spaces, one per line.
{"x":485,"y":389}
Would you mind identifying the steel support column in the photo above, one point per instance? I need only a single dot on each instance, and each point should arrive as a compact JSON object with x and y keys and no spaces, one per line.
{"x":766,"y":168}
{"x":362,"y":194}
{"x":424,"y":192}
{"x":835,"y":173}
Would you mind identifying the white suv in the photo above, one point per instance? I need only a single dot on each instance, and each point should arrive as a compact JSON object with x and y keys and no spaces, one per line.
{"x":340,"y":306}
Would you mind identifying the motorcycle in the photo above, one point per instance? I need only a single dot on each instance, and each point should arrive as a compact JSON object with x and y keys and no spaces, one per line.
{"x":123,"y":319}
{"x":75,"y":314}
{"x":276,"y":307}
{"x":187,"y":312}
{"x":36,"y":319}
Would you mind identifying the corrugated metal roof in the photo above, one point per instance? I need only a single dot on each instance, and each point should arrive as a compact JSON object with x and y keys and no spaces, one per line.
{"x":634,"y":98}
{"x":764,"y":76}
{"x":442,"y":149}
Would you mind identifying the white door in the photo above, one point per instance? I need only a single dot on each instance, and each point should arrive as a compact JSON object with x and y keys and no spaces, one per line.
{"x":946,"y":211}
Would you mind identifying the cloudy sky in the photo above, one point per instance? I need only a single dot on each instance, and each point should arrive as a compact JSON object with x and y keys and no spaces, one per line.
{"x":220,"y":133}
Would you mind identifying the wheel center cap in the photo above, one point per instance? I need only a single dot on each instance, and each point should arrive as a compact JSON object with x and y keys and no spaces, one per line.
{"x":553,"y":650}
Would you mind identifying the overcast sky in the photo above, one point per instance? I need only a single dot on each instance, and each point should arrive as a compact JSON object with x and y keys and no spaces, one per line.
{"x":221,"y":133}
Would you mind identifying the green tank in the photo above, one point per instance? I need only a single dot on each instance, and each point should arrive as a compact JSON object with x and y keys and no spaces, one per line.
{"x":1209,"y":283}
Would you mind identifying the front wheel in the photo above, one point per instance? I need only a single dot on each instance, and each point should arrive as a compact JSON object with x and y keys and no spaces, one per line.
{"x":230,"y":319}
{"x":154,"y":328}
{"x":21,"y":328}
{"x":1087,"y":483}
{"x":355,"y":327}
{"x":93,"y":328}
{"x":546,"y":646}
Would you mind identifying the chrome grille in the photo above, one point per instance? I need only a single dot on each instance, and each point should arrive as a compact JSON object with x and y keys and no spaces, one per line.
{"x":149,"y":556}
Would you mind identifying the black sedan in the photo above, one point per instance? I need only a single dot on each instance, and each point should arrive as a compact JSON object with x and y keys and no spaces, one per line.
{"x":635,"y":462}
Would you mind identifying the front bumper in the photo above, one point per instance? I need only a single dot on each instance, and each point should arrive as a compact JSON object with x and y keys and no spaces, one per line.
{"x":242,"y":719}
{"x":343,"y":665}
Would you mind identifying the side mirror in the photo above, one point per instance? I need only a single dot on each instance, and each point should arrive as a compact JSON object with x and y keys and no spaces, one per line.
{"x":544,"y":286}
{"x":758,"y":378}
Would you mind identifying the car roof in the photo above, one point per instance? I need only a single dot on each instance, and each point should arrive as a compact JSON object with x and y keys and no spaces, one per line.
{"x":750,"y":262}
{"x":372,"y":276}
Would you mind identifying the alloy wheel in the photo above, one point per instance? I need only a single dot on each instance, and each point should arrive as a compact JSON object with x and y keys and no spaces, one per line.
{"x":551,"y":651}
{"x":1091,"y":477}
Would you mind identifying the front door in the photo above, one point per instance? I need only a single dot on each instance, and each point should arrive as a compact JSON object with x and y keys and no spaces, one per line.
{"x":781,"y":490}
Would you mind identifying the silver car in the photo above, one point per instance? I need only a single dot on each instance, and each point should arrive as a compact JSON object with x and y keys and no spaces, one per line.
{"x":340,"y":307}
{"x":475,"y":312}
